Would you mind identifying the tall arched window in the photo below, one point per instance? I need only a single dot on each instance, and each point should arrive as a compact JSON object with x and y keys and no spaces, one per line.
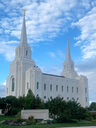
{"x":56,"y":87}
{"x":50,"y":87}
{"x":37,"y":85}
{"x":62,"y":88}
{"x":44,"y":86}
{"x":13,"y":84}
{"x":72,"y":89}
{"x":77,"y":89}
{"x":26,"y":52}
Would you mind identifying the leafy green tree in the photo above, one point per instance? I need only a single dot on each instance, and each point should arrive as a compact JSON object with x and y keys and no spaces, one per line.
{"x":92,"y":106}
{"x":11,"y":105}
{"x":29,"y":100}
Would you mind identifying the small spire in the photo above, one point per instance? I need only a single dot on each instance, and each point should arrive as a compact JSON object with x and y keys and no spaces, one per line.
{"x":68,"y":56}
{"x":24,"y":11}
{"x":23,"y":31}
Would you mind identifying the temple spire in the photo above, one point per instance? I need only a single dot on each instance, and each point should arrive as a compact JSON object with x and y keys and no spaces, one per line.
{"x":68,"y":70}
{"x":23,"y":31}
{"x":68,"y":56}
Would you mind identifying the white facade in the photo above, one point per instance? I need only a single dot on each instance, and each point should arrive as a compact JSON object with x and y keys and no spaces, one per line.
{"x":25,"y":75}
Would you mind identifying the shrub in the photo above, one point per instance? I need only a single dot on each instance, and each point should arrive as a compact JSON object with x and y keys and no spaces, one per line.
{"x":31,"y":120}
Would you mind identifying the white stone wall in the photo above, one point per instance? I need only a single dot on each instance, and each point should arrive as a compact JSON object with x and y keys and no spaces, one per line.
{"x":41,"y":114}
{"x":60,"y":81}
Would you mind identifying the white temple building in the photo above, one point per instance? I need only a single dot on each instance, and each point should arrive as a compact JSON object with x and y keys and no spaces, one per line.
{"x":25,"y":75}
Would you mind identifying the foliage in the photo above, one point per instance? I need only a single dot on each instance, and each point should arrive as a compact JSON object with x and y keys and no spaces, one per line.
{"x":59,"y":109}
{"x":31,"y":120}
{"x":63,"y":111}
{"x":92,"y":106}
{"x":55,"y":125}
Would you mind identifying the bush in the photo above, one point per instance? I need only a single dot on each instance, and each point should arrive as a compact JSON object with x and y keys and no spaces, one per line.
{"x":31,"y":120}
{"x":19,"y":120}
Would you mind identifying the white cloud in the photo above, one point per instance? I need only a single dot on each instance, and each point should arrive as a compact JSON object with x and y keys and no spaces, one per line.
{"x":2,"y":90}
{"x":88,"y":68}
{"x":87,"y":37}
{"x":52,"y":54}
{"x":4,"y":83}
{"x":45,"y":19}
{"x":7,"y":50}
{"x":61,"y":54}
{"x":55,"y":69}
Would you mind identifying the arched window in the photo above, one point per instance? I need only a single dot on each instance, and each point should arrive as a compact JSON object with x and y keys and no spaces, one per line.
{"x":73,"y":99}
{"x":72,"y":89}
{"x":56,"y":87}
{"x":44,"y":86}
{"x":37,"y":85}
{"x":50,"y":87}
{"x":26,"y":52}
{"x":13,"y":84}
{"x":86,"y":99}
{"x":62,"y":88}
{"x":85,"y":90}
{"x":77,"y":89}
{"x":77,"y":99}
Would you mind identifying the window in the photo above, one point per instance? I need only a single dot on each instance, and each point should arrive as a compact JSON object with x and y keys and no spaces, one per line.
{"x":26,"y":52}
{"x":72,"y":89}
{"x":50,"y":97}
{"x":27,"y":85}
{"x":85,"y":90}
{"x":67,"y":98}
{"x":13,"y":84}
{"x":73,"y":99}
{"x":37,"y":95}
{"x":50,"y":87}
{"x":77,"y":89}
{"x":37,"y":85}
{"x":67,"y":88}
{"x":86,"y":99}
{"x":77,"y":99}
{"x":62,"y":88}
{"x":56,"y":87}
{"x":44,"y":97}
{"x":44,"y":86}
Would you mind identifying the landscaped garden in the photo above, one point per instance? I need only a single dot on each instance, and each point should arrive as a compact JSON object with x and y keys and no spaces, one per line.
{"x":62,"y":113}
{"x":52,"y":125}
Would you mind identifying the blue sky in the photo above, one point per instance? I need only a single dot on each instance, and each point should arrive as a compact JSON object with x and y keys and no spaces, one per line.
{"x":49,"y":24}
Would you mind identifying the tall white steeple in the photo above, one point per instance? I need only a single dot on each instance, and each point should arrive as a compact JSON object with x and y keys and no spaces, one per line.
{"x":23,"y":32}
{"x":68,"y":70}
{"x":23,"y":50}
{"x":68,"y":56}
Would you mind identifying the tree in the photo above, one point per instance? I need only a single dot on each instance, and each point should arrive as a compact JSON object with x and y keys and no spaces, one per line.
{"x":92,"y":106}
{"x":11,"y":105}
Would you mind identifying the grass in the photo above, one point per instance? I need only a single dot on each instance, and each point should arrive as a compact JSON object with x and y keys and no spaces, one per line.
{"x":81,"y":123}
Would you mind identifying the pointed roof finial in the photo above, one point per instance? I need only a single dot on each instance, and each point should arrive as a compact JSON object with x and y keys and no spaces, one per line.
{"x":68,"y":56}
{"x":23,"y":31}
{"x":24,"y":11}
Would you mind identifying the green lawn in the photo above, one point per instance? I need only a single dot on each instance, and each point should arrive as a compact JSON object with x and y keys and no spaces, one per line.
{"x":81,"y":123}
